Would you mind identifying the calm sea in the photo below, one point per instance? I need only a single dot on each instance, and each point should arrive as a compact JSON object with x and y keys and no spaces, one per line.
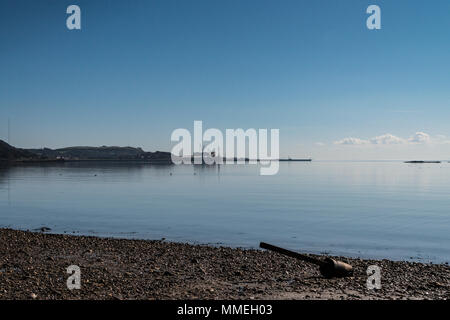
{"x":365,"y":209}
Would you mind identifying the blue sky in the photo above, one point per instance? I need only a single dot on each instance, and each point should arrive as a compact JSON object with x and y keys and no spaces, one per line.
{"x":139,"y":69}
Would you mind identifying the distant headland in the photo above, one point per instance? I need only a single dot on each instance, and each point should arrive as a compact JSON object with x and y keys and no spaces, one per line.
{"x":103,"y":153}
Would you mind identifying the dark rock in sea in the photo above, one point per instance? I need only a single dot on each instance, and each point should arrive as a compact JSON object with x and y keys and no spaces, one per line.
{"x":43,"y":229}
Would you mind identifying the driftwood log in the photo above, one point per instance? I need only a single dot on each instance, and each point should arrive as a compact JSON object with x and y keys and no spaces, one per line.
{"x":328,"y":267}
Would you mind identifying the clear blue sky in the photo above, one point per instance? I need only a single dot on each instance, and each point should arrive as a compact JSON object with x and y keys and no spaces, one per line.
{"x":139,"y":69}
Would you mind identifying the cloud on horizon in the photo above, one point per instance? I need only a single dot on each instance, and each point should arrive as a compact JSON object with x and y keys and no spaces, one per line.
{"x":390,"y":139}
{"x":352,"y":141}
{"x":387,"y":139}
{"x":420,"y":137}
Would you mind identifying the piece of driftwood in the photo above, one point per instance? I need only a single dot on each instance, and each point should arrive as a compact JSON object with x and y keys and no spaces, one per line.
{"x":328,"y":267}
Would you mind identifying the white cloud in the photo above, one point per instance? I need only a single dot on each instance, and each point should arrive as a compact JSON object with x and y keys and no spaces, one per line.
{"x":420,"y":137}
{"x":390,"y":139}
{"x":320,"y":144}
{"x":387,"y":139}
{"x":351,"y":141}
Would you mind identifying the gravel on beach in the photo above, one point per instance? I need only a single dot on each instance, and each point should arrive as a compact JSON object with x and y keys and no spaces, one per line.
{"x":33,"y":265}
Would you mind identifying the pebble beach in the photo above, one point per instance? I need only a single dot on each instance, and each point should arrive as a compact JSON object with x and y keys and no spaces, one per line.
{"x":33,"y":266}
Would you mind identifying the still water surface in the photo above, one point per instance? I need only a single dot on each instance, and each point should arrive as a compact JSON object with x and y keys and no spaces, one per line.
{"x":366,"y":209}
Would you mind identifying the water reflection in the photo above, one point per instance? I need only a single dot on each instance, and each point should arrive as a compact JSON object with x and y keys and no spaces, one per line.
{"x":364,"y":209}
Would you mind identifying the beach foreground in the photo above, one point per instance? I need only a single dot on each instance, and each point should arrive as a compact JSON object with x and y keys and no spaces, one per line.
{"x":33,"y":266}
